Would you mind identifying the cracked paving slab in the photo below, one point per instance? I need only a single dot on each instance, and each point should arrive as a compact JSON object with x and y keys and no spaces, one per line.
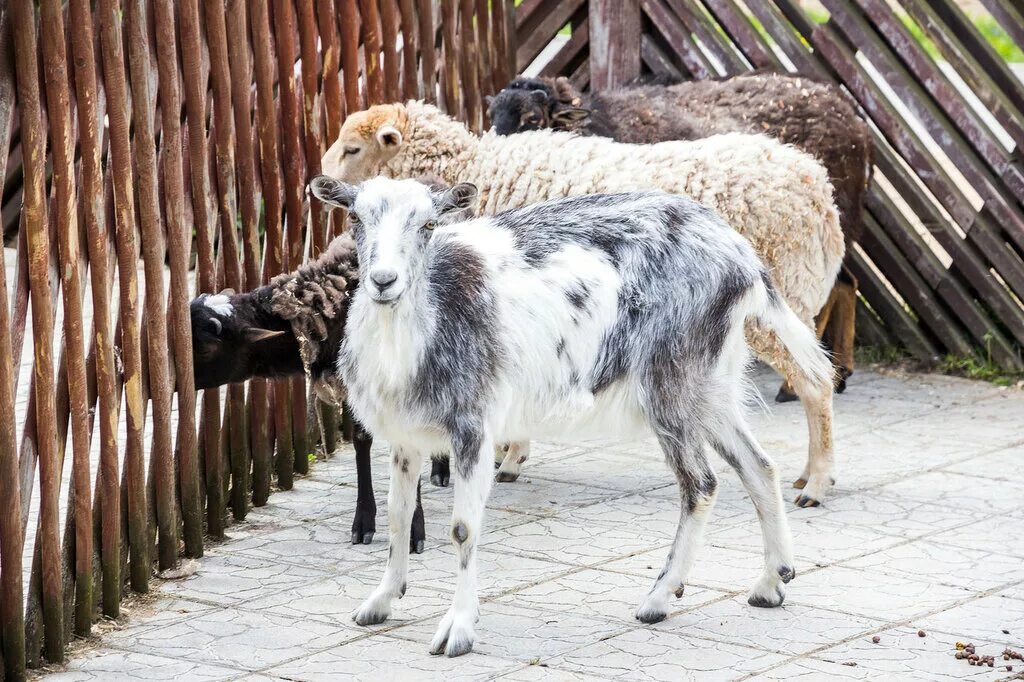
{"x":923,"y":530}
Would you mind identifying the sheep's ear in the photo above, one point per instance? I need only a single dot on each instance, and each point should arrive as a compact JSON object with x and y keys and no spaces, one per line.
{"x":256,"y":334}
{"x":539,"y":96}
{"x":333,"y":192}
{"x":227,"y":292}
{"x":489,"y":100}
{"x":389,"y":136}
{"x":457,"y":198}
{"x":570,"y":115}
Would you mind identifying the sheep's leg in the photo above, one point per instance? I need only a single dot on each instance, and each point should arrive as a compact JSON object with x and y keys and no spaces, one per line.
{"x":697,"y":490}
{"x":405,"y":474}
{"x":842,"y":327}
{"x":818,"y":475}
{"x":364,"y":525}
{"x":440,"y":470}
{"x":473,"y":477}
{"x":513,"y":456}
{"x":737,"y":446}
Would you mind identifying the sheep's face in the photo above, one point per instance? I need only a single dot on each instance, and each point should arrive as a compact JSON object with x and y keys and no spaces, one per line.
{"x":225,"y":347}
{"x":367,"y":141}
{"x":516,"y":111}
{"x":393,"y":222}
{"x":535,"y":104}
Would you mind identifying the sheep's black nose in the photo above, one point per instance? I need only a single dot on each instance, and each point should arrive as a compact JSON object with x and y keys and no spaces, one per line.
{"x":383,"y":278}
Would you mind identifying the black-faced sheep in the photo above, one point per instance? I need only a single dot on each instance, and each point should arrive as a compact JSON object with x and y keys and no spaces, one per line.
{"x":294,"y":325}
{"x":776,"y":196}
{"x":815,"y":117}
{"x":616,"y":315}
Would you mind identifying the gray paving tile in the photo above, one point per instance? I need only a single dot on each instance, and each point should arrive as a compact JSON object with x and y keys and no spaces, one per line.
{"x":386,"y":658}
{"x":649,"y":654}
{"x":247,"y":640}
{"x":130,"y":666}
{"x":229,"y":579}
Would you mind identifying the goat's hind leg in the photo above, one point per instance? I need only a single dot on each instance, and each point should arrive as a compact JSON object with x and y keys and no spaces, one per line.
{"x":686,"y":456}
{"x":737,"y":446}
{"x":405,"y":475}
{"x":512,"y":457}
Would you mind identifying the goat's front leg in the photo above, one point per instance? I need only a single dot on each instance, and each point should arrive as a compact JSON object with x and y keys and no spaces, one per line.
{"x":473,"y":475}
{"x":405,"y":474}
{"x":364,"y":525}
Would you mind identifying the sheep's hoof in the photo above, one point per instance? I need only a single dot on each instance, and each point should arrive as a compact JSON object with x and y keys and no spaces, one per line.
{"x":506,"y":477}
{"x":364,"y":525}
{"x":785,"y":395}
{"x":842,"y":374}
{"x":807,"y":501}
{"x":440,"y":473}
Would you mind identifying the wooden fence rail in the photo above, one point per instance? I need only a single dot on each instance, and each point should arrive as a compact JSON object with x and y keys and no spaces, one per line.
{"x":941,"y":265}
{"x":134,"y":136}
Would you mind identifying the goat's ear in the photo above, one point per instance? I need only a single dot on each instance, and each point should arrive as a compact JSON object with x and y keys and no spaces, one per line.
{"x":333,"y":192}
{"x":256,"y":334}
{"x":227,"y":292}
{"x":570,"y":115}
{"x":389,"y":136}
{"x":457,"y":198}
{"x":539,"y":96}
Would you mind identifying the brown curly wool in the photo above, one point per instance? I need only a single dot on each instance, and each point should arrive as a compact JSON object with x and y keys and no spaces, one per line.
{"x":314,"y":299}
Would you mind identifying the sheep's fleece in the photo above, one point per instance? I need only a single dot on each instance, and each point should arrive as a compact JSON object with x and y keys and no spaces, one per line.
{"x":776,"y":196}
{"x":314,"y":299}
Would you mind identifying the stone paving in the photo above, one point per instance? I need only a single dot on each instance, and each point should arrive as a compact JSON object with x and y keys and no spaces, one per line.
{"x":924,"y":531}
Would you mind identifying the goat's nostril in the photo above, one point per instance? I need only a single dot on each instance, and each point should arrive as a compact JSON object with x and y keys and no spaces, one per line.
{"x":383,"y":278}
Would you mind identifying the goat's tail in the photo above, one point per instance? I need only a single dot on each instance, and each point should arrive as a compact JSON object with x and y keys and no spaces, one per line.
{"x":810,"y":358}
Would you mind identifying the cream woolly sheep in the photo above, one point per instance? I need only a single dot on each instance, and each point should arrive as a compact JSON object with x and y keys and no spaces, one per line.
{"x":776,"y":196}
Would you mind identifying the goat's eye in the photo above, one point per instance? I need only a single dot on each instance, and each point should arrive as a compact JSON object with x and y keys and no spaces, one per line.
{"x":353,"y":218}
{"x":350,"y":151}
{"x":430,"y":225}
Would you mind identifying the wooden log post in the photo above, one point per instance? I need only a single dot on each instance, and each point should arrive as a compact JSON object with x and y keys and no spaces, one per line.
{"x":614,"y":42}
{"x":12,"y":620}
{"x":273,"y":253}
{"x":199,"y":171}
{"x":62,"y":146}
{"x":179,"y":240}
{"x":37,"y":234}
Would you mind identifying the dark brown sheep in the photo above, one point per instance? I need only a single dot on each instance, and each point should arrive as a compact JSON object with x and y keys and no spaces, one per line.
{"x":813,"y":116}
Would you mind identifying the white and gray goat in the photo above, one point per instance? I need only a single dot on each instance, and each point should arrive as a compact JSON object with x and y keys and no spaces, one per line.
{"x":616,"y":315}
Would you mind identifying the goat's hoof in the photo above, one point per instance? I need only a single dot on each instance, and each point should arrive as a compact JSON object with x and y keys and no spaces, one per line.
{"x":416,"y":546}
{"x":800,"y":483}
{"x":364,"y":525}
{"x":786,"y":573}
{"x":454,"y":637}
{"x":769,"y":601}
{"x":439,"y":481}
{"x":372,"y":612}
{"x":785,"y":396}
{"x":651,"y":616}
{"x":506,"y":477}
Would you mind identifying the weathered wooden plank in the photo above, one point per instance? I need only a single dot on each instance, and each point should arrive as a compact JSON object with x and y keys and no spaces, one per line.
{"x":677,"y":38}
{"x":389,"y":45}
{"x":374,"y":78}
{"x":574,"y":51}
{"x":348,"y":21}
{"x":656,"y":60}
{"x":710,"y":36}
{"x":312,"y":132}
{"x":738,"y":26}
{"x":614,"y":49}
{"x":428,"y":53}
{"x":450,"y":73}
{"x":410,"y":46}
{"x":538,"y":32}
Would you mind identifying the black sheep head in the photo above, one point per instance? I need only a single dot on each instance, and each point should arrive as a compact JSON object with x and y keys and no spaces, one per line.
{"x":231,"y":341}
{"x":535,"y":104}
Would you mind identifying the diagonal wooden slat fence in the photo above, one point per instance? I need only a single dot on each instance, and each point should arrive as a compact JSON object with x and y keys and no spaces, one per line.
{"x":136,"y":136}
{"x":941,"y":264}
